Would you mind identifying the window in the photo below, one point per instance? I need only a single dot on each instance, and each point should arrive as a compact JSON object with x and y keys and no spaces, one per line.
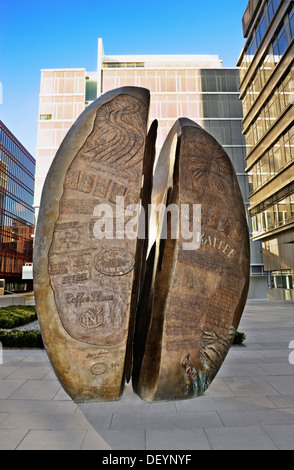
{"x":272,"y":8}
{"x":250,"y":53}
{"x":282,"y":279}
{"x":291,"y":199}
{"x":282,"y":212}
{"x":291,"y":22}
{"x":116,"y":65}
{"x":250,"y":181}
{"x":45,"y":117}
{"x":285,"y":93}
{"x":280,"y":44}
{"x":288,"y":146}
{"x":266,"y":68}
{"x":91,"y":90}
{"x":260,"y":30}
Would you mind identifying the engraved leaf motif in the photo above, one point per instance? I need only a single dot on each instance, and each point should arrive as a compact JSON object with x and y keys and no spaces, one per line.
{"x":206,"y":146}
{"x":219,"y":184}
{"x":215,"y":170}
{"x":198,"y":173}
{"x":214,"y":348}
{"x":222,"y":167}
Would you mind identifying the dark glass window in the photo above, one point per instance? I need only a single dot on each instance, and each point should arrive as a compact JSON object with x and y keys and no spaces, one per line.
{"x":282,"y":279}
{"x":91,"y":91}
{"x":250,"y":52}
{"x":260,"y":30}
{"x":280,"y":43}
{"x":291,"y":21}
{"x":272,"y":8}
{"x":220,"y":80}
{"x":17,"y":169}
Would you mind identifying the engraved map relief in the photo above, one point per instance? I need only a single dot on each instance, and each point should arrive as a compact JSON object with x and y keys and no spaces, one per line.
{"x":91,"y":278}
{"x":117,"y":135}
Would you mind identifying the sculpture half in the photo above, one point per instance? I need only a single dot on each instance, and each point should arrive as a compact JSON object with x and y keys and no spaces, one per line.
{"x":84,"y":281}
{"x":197,"y":295}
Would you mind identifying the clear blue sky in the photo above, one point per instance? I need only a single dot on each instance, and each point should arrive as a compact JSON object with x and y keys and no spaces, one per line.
{"x":64,"y":33}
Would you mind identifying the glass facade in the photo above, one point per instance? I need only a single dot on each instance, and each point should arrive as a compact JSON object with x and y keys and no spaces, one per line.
{"x":196,"y":87}
{"x":208,"y":96}
{"x":256,"y":36}
{"x":275,"y":216}
{"x":267,"y":91}
{"x":280,"y":97}
{"x":267,"y":64}
{"x":276,"y":158}
{"x":17,"y":170}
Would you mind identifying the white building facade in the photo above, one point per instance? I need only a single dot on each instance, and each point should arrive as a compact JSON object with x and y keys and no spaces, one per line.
{"x":193,"y":86}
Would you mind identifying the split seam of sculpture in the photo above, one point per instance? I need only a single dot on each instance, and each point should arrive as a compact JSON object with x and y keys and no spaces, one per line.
{"x":151,"y":309}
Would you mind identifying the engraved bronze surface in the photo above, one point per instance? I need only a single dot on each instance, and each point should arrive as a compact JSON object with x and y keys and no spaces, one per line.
{"x":114,"y":308}
{"x":84,"y":285}
{"x":197,"y":295}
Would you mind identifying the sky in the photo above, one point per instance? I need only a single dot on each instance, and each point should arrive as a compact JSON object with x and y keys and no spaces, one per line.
{"x":42,"y":34}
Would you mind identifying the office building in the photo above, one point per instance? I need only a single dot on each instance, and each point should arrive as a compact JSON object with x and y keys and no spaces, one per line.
{"x":267,"y":84}
{"x":17,"y":169}
{"x":193,"y":86}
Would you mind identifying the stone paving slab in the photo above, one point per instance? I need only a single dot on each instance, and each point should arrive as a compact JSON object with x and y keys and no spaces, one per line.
{"x":249,"y":405}
{"x":241,"y":437}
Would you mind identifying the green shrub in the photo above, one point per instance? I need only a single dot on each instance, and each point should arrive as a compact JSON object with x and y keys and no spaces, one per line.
{"x":17,"y":315}
{"x":21,"y":338}
{"x":239,"y":337}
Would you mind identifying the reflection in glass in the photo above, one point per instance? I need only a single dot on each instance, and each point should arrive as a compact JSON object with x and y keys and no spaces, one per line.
{"x":17,"y":168}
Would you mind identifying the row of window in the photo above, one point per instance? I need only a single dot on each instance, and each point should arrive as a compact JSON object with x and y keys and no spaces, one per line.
{"x":16,"y":245}
{"x":11,"y":265}
{"x":282,"y":279}
{"x":19,"y":192}
{"x":226,"y":132}
{"x":117,"y":65}
{"x":61,"y":107}
{"x":14,"y":207}
{"x":270,"y":59}
{"x":199,"y":106}
{"x":281,"y":97}
{"x":274,"y":160}
{"x":174,"y":81}
{"x":220,"y":80}
{"x":11,"y":168}
{"x":273,"y":217}
{"x":24,"y":158}
{"x":156,"y":64}
{"x":62,"y":81}
{"x":51,"y":137}
{"x":260,"y":29}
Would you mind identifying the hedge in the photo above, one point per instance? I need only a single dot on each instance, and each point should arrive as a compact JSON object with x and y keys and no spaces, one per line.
{"x":239,"y":337}
{"x":21,"y":339}
{"x":17,"y":315}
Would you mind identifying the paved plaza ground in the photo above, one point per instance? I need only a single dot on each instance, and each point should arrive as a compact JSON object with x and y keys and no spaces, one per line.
{"x":249,"y":405}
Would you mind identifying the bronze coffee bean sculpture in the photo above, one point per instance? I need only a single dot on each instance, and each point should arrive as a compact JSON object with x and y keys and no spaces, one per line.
{"x":116,"y":297}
